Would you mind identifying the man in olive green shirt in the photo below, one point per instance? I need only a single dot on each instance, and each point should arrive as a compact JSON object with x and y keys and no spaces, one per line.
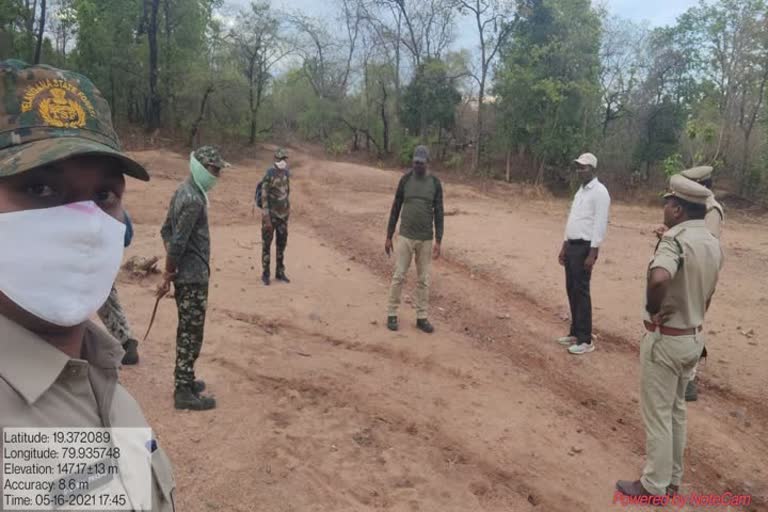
{"x":419,"y":205}
{"x":682,"y":278}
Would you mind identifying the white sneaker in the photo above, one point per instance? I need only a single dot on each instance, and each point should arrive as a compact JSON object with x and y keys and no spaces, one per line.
{"x":567,"y":340}
{"x":581,"y":348}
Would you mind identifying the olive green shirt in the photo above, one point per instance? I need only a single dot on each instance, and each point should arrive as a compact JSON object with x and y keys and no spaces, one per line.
{"x":692,"y":256}
{"x":419,"y":206}
{"x":42,"y":387}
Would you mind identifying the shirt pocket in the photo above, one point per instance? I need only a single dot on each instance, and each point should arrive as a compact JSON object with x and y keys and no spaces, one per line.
{"x":164,"y":483}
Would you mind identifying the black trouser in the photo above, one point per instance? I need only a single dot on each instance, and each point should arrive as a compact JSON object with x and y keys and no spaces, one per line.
{"x":577,"y":280}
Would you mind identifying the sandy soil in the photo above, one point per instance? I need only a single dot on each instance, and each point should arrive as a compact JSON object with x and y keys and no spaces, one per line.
{"x":322,"y":409}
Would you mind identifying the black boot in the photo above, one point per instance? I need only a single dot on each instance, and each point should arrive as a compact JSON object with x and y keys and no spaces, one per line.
{"x":265,"y":279}
{"x":131,"y":356}
{"x":691,"y":391}
{"x":186,"y":399}
{"x":424,"y":325}
{"x":198,"y":386}
{"x":392,"y":324}
{"x":280,"y":276}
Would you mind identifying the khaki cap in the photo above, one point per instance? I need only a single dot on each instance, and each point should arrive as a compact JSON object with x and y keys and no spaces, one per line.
{"x":687,"y":190}
{"x":700,"y":173}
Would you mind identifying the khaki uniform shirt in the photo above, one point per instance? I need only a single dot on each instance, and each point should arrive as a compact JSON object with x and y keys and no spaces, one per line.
{"x":715,"y":216}
{"x":41,"y":387}
{"x":692,"y":256}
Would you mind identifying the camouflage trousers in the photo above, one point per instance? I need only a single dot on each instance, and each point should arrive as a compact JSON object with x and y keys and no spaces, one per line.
{"x":279,"y":227}
{"x":192,"y":302}
{"x":113,"y":318}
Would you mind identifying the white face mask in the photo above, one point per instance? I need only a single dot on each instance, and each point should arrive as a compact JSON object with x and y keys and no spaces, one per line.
{"x":59,"y":263}
{"x":281,"y":164}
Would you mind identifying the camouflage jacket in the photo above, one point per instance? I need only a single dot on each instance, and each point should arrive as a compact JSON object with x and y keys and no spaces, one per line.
{"x":186,"y":234}
{"x":276,"y":191}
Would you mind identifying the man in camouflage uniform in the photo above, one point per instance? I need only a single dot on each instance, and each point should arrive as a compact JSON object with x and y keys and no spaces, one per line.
{"x":276,"y":191}
{"x":187,"y":242}
{"x":112,"y":314}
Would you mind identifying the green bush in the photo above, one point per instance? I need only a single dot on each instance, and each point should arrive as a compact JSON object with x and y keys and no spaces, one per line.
{"x":406,"y":149}
{"x":336,"y":145}
{"x":455,"y":161}
{"x":673,"y":164}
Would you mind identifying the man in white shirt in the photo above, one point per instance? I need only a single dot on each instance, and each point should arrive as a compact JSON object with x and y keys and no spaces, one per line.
{"x":584,"y":233}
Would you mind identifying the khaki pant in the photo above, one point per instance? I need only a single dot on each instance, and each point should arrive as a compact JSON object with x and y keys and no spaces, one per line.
{"x":405,"y":251}
{"x":667,"y":364}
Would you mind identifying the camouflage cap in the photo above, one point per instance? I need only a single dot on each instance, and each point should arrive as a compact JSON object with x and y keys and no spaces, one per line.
{"x":281,"y":154}
{"x":48,"y":115}
{"x":421,"y":154}
{"x":210,"y":155}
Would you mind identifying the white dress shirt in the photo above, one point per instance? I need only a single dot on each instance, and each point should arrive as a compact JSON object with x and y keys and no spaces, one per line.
{"x":588,"y":219}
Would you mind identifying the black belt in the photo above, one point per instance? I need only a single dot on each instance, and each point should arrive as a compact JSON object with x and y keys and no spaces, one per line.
{"x":579,"y":242}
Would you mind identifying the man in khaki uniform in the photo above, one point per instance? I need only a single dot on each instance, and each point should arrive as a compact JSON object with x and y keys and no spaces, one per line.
{"x":714,"y":221}
{"x":61,"y":225}
{"x":682,"y":278}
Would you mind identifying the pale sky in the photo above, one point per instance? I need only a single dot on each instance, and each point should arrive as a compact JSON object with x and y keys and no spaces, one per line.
{"x":656,"y":12}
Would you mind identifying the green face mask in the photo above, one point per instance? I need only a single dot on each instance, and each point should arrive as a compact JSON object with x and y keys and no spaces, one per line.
{"x":203,"y":179}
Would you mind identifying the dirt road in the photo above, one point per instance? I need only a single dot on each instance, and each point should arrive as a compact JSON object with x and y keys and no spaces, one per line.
{"x":322,"y":409}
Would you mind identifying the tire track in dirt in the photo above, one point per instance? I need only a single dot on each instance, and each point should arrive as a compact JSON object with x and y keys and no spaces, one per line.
{"x":504,"y":485}
{"x":343,"y":231}
{"x":402,"y":356}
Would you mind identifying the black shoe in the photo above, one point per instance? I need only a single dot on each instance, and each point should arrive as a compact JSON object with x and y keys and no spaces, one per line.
{"x":392,"y":324}
{"x":186,"y":399}
{"x":131,"y":356}
{"x":198,"y":386}
{"x":424,"y":325}
{"x":691,"y":391}
{"x":265,"y":279}
{"x":280,"y":276}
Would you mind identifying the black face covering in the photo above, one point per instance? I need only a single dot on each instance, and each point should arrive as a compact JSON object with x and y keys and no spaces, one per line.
{"x":420,"y":169}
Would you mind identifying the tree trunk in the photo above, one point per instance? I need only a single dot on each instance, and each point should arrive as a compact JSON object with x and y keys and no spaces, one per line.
{"x":479,"y":127}
{"x":745,"y":178}
{"x":607,"y":117}
{"x":153,"y":107}
{"x":169,"y":73}
{"x":40,"y":33}
{"x":397,"y":78}
{"x":540,"y":173}
{"x":252,"y":136}
{"x":31,"y":17}
{"x":509,"y":165}
{"x":196,"y":125}
{"x":384,"y":120}
{"x":251,"y":71}
{"x":112,"y":96}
